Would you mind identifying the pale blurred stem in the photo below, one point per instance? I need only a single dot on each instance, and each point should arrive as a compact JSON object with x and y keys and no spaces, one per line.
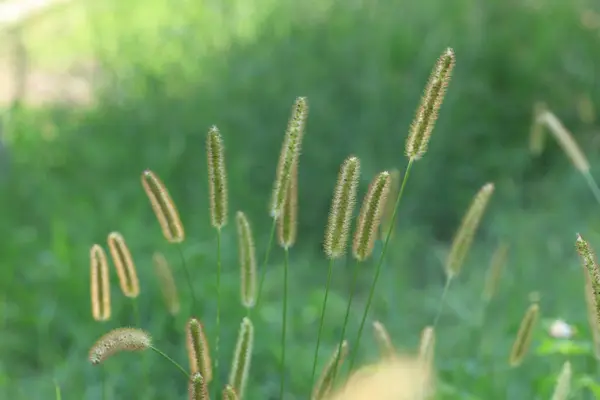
{"x":379,"y":264}
{"x":592,"y":185}
{"x":263,"y":271}
{"x":443,"y":300}
{"x":175,"y":363}
{"x":286,"y":263}
{"x":187,"y":276}
{"x":347,"y":317}
{"x":218,"y":334}
{"x":104,"y":388}
{"x":327,"y":285}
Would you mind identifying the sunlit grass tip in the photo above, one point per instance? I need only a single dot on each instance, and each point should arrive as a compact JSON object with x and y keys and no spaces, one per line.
{"x":164,"y":207}
{"x":118,"y":340}
{"x":287,"y":223}
{"x":240,"y":367}
{"x":467,"y":230}
{"x":427,"y":113}
{"x":325,"y":382}
{"x":124,"y":265}
{"x":166,"y":281}
{"x":247,"y":257}
{"x":427,"y":347}
{"x":100,"y":284}
{"x":370,"y":216}
{"x":198,"y":350}
{"x":384,"y":342}
{"x":494,"y":273}
{"x":524,"y":336}
{"x":289,"y":155}
{"x":342,"y":208}
{"x":229,"y":393}
{"x":217,"y":178}
{"x":198,"y":387}
{"x":562,"y":388}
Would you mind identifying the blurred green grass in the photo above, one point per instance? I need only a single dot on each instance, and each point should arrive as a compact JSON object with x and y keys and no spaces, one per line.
{"x":171,"y":69}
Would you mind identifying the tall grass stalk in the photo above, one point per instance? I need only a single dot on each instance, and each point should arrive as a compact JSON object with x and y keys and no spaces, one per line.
{"x":284,"y":320}
{"x":175,"y":363}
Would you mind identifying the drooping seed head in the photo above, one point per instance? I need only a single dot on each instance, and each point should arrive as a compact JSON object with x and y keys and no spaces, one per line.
{"x":287,"y":223}
{"x":217,"y":179}
{"x":124,"y":265}
{"x":524,"y":336}
{"x":100,"y":284}
{"x":342,"y":207}
{"x":382,"y":337}
{"x":240,"y":367}
{"x":592,"y":270}
{"x":562,"y":388}
{"x":325,"y":382}
{"x":167,"y":283}
{"x":467,"y":230}
{"x":387,"y":218}
{"x":495,"y":271}
{"x":370,"y":216}
{"x":289,"y":155}
{"x":247,"y":257}
{"x":566,"y":141}
{"x":198,"y":350}
{"x":164,"y":207}
{"x":229,"y":393}
{"x":118,"y":340}
{"x":422,"y":126}
{"x":198,"y":387}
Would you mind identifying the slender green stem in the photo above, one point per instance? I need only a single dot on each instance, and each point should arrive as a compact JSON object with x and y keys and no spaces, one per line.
{"x":328,"y":284}
{"x":593,"y":185}
{"x":218,"y":334}
{"x":286,"y":264}
{"x":379,"y":263}
{"x":347,"y":317}
{"x":188,"y":277}
{"x":57,"y":394}
{"x":263,"y":271}
{"x":442,"y":301}
{"x":175,"y":363}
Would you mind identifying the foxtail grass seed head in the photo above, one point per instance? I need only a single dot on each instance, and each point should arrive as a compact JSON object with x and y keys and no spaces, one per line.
{"x":388,"y":212}
{"x":590,"y":302}
{"x":562,"y":388}
{"x":325,"y":382}
{"x":247,"y":254}
{"x":100,"y":284}
{"x":422,"y":126}
{"x":287,"y":223}
{"x":164,"y":207}
{"x":217,"y":179}
{"x":118,"y":340}
{"x":229,"y":393}
{"x":124,"y":265}
{"x":342,"y":207}
{"x":427,"y":346}
{"x":590,"y":265}
{"x":524,"y":336}
{"x":537,"y":135}
{"x":566,"y":141}
{"x":370,"y":216}
{"x":495,"y":271}
{"x":289,"y":155}
{"x":198,"y":387}
{"x":384,"y":342}
{"x":167,"y":283}
{"x":240,"y":367}
{"x":466,"y":232}
{"x":197,"y":349}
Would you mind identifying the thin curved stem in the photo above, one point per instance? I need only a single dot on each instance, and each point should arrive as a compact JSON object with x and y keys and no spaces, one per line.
{"x":175,"y":363}
{"x":187,"y":275}
{"x":218,"y":335}
{"x":328,"y":284}
{"x":592,"y":185}
{"x":286,"y":264}
{"x":379,"y":263}
{"x":263,"y":271}
{"x":442,"y":301}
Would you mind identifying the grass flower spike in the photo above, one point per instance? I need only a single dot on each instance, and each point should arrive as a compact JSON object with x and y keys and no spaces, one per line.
{"x":495,"y":271}
{"x":325,"y":383}
{"x":100,"y":284}
{"x":167,"y":283}
{"x":382,"y":337}
{"x":287,"y":224}
{"x":247,"y":257}
{"x":118,"y":340}
{"x":164,"y":207}
{"x":124,"y":265}
{"x":240,"y":367}
{"x":217,"y":179}
{"x":198,"y":387}
{"x":565,"y":139}
{"x":387,"y":220}
{"x":229,"y":393}
{"x":563,"y":383}
{"x":422,"y":126}
{"x":588,"y":260}
{"x":198,"y":350}
{"x":524,"y":336}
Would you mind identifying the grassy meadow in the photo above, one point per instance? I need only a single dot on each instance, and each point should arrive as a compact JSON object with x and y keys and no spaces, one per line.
{"x":167,"y":71}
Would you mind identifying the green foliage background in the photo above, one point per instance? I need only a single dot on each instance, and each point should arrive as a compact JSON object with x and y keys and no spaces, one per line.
{"x":171,"y":69}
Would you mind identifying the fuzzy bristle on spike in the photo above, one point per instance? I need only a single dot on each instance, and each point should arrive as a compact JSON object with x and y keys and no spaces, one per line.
{"x":167,"y":282}
{"x":118,"y":340}
{"x":342,"y":207}
{"x":287,"y":223}
{"x":247,"y":258}
{"x":198,"y":387}
{"x":562,"y":388}
{"x":495,"y":271}
{"x":370,"y":216}
{"x":592,"y":270}
{"x":524,"y":336}
{"x":217,"y":178}
{"x":565,"y":140}
{"x":198,"y":350}
{"x":100,"y":284}
{"x":164,"y":207}
{"x":229,"y":393}
{"x":124,"y":265}
{"x":325,"y":382}
{"x":240,"y":367}
{"x":422,"y":126}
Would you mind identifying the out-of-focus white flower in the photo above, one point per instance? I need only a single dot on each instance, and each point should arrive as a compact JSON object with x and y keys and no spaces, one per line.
{"x":561,"y":330}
